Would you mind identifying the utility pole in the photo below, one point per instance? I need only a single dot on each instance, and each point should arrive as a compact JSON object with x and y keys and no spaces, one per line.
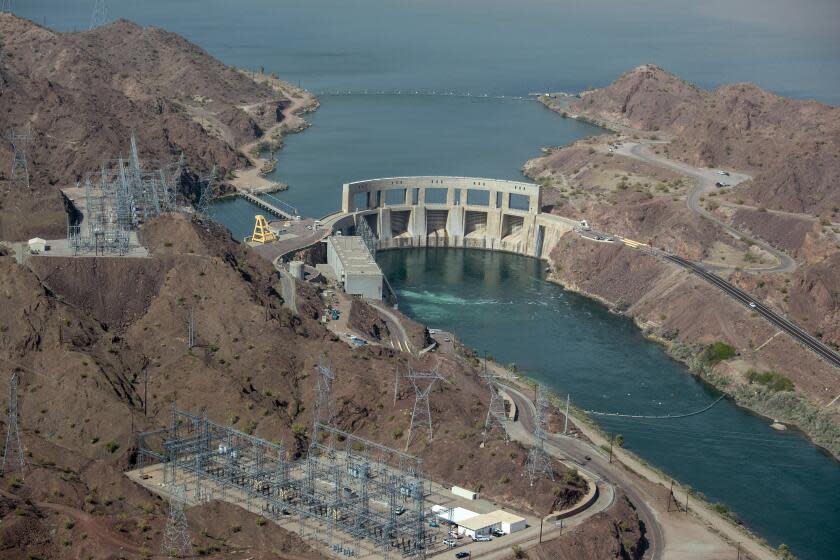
{"x":566,"y":421}
{"x":611,"y":444}
{"x":670,"y":494}
{"x":396,"y":385}
{"x":739,"y":550}
{"x":13,"y":450}
{"x":686,"y":501}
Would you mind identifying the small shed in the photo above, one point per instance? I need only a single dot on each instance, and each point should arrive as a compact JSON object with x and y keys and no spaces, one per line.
{"x":37,"y":245}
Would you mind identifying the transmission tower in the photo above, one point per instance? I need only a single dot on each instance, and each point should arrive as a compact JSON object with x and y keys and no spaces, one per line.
{"x":99,"y":17}
{"x":421,"y":414}
{"x":539,"y":463}
{"x":20,"y":168}
{"x":13,"y":450}
{"x":6,"y":6}
{"x":206,"y":195}
{"x":325,"y":413}
{"x":496,"y":413}
{"x":176,"y":537}
{"x":191,"y":328}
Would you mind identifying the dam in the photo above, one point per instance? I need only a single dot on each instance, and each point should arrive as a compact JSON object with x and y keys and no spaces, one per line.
{"x":442,"y":211}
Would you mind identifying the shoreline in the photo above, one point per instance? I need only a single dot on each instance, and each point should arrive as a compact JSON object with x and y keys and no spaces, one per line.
{"x":253,"y":179}
{"x":691,"y":362}
{"x":598,"y":439}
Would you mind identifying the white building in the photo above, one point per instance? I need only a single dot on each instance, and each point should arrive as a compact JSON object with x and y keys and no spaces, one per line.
{"x":354,"y":266}
{"x":501,"y":520}
{"x":37,"y":245}
{"x":453,"y":515}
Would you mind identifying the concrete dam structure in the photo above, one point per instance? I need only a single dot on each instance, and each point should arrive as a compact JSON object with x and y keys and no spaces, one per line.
{"x":437,"y":211}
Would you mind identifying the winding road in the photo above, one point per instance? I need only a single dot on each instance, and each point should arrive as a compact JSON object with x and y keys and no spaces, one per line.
{"x":705,"y":180}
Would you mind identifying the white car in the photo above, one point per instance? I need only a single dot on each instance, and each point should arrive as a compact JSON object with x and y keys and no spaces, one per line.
{"x":482,"y":538}
{"x":721,"y":172}
{"x":752,"y":304}
{"x":450,"y":543}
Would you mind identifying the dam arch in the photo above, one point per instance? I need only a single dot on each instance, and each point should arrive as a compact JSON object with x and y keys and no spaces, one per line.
{"x":447,"y":211}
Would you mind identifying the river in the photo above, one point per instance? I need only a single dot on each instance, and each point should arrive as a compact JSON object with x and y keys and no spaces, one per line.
{"x":781,"y":486}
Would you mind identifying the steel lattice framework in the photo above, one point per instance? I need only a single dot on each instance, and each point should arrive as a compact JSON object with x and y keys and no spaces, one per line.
{"x":99,"y":16}
{"x":119,"y":198}
{"x":496,"y":414}
{"x":350,"y":492}
{"x":539,"y":462}
{"x":421,"y":414}
{"x":176,"y":536}
{"x":19,"y":139}
{"x":13,"y":451}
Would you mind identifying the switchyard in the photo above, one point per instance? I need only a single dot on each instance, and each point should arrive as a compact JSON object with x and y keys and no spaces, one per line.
{"x":349,"y":496}
{"x":116,"y":200}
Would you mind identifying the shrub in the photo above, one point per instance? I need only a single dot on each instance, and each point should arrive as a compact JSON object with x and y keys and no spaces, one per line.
{"x":398,"y":433}
{"x":112,"y":446}
{"x":298,"y":429}
{"x":724,"y":510}
{"x":773,"y":380}
{"x":261,"y":521}
{"x":719,"y":352}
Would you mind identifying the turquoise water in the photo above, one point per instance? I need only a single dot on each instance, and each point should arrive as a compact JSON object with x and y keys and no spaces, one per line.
{"x":499,"y":302}
{"x":780,"y":485}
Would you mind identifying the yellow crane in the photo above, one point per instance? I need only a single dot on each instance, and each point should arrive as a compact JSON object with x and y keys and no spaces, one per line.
{"x":262,"y":234}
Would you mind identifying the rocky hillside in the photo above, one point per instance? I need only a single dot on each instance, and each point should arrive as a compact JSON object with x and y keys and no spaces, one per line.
{"x":82,"y":337}
{"x":790,"y":146}
{"x":84,"y":94}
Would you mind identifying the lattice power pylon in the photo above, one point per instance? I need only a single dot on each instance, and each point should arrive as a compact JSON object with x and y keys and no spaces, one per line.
{"x":202,"y":207}
{"x":190,"y":328}
{"x":99,"y":17}
{"x":496,"y":413}
{"x":6,"y":6}
{"x":421,"y":414}
{"x":20,"y":140}
{"x":176,"y":537}
{"x":13,"y":451}
{"x":539,"y":462}
{"x":325,"y":412}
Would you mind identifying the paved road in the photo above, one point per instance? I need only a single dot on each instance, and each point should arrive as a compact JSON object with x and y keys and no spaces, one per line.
{"x":705,"y":180}
{"x":597,"y":466}
{"x":780,"y":321}
{"x":400,"y":335}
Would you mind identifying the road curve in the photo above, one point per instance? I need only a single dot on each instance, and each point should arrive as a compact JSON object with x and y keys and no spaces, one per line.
{"x":577,"y":452}
{"x":705,"y":182}
{"x":780,"y":321}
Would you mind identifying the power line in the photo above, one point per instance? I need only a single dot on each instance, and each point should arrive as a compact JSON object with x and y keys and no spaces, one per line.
{"x":6,"y":6}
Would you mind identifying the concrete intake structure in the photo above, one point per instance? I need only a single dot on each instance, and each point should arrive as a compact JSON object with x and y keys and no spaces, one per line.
{"x":434,"y":211}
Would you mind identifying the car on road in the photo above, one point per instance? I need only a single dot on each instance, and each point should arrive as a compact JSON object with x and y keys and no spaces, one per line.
{"x":587,"y":457}
{"x":447,"y":339}
{"x":752,"y":304}
{"x":450,"y":543}
{"x":724,"y":173}
{"x":463,"y":554}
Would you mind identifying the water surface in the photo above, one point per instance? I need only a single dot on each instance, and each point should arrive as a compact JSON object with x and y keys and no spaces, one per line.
{"x":779,"y":484}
